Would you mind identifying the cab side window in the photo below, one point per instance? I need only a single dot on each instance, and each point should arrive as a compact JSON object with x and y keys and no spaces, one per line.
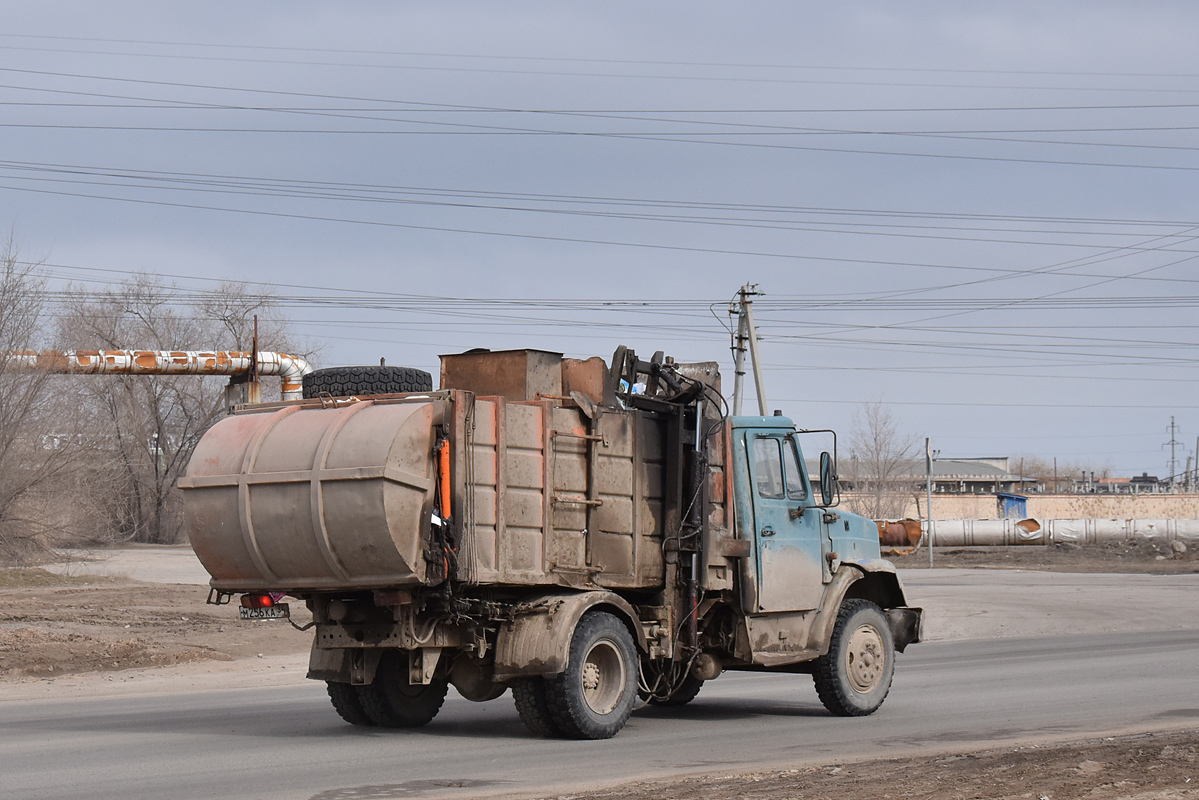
{"x":795,"y":482}
{"x":768,"y":467}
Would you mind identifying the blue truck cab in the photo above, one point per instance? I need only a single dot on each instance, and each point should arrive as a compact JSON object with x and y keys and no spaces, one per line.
{"x":800,"y":541}
{"x":813,"y":569}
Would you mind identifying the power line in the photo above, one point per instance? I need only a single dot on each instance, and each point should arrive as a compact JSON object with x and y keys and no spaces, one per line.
{"x":577,"y":59}
{"x":722,"y":78}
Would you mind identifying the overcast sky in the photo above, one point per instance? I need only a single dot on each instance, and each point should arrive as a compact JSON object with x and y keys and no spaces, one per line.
{"x":983,"y":216}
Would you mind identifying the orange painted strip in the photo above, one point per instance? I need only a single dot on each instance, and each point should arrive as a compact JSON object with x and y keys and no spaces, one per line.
{"x":443,"y":471}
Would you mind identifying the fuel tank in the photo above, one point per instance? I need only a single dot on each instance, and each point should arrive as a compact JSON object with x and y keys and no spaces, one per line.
{"x":293,"y":497}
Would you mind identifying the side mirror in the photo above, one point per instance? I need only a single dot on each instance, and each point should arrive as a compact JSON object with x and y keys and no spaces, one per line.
{"x":828,"y":479}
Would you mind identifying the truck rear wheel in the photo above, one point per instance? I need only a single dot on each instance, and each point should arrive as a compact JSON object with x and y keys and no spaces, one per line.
{"x":853,"y":679}
{"x":345,"y":702}
{"x":529,"y":694}
{"x":351,"y":381}
{"x":594,"y":697}
{"x":392,"y":702}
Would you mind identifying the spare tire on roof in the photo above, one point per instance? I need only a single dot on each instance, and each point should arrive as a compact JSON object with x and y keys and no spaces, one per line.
{"x":357,"y":381}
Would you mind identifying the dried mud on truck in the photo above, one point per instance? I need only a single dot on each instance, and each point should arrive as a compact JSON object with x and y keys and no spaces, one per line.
{"x":583,"y":534}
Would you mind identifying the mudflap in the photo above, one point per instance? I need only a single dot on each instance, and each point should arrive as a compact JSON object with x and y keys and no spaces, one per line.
{"x":906,"y":625}
{"x":356,"y":666}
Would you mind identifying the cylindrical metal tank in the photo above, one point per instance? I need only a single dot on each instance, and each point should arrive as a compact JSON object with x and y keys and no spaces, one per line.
{"x":308,"y":497}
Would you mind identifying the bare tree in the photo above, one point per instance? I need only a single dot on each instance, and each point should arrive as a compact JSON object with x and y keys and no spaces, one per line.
{"x":237,"y":312}
{"x":147,"y":426}
{"x":38,"y":441}
{"x":880,"y":463}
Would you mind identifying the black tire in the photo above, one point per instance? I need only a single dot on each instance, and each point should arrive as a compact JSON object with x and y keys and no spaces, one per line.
{"x":529,"y":694}
{"x":353,"y":381}
{"x":392,"y":702}
{"x":594,"y":697}
{"x":854,"y":678}
{"x":682,"y":696}
{"x":345,"y":702}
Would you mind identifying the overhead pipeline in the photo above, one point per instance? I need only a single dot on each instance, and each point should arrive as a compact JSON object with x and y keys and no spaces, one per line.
{"x":290,"y":369}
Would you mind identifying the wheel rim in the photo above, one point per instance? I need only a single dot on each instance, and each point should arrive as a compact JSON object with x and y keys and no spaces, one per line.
{"x":603,"y":677}
{"x":865,"y":659}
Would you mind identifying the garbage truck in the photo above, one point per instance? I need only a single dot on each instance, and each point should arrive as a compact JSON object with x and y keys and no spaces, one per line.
{"x":585,"y":534}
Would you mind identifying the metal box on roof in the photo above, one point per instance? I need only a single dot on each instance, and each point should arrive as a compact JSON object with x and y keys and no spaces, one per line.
{"x":511,"y":374}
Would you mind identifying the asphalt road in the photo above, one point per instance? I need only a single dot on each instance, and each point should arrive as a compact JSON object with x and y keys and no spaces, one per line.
{"x":286,"y":742}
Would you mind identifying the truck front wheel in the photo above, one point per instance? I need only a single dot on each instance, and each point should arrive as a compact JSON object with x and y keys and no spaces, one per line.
{"x":594,"y":697}
{"x":392,"y":702}
{"x":853,"y":679}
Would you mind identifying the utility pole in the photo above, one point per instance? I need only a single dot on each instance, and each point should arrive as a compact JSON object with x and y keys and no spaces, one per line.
{"x":928,"y":496}
{"x":738,"y":361}
{"x":743,"y":306}
{"x":1172,"y":444}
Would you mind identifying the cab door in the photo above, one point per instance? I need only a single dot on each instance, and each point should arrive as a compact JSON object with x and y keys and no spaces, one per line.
{"x":787,"y":525}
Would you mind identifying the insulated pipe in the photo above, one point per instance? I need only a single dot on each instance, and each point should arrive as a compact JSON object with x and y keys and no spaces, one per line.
{"x":985,"y":532}
{"x":290,"y":369}
{"x":1000,"y":532}
{"x":1092,"y":531}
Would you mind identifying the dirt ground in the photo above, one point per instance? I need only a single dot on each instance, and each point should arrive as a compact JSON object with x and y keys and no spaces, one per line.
{"x":1153,"y":766}
{"x":1148,"y":556}
{"x":53,"y":625}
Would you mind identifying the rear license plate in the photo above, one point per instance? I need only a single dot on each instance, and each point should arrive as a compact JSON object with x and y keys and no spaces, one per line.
{"x":277,"y":611}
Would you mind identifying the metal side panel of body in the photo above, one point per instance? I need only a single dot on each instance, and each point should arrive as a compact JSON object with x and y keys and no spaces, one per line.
{"x":607,"y":497}
{"x":554,"y":496}
{"x":500,"y":495}
{"x":311,"y":497}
